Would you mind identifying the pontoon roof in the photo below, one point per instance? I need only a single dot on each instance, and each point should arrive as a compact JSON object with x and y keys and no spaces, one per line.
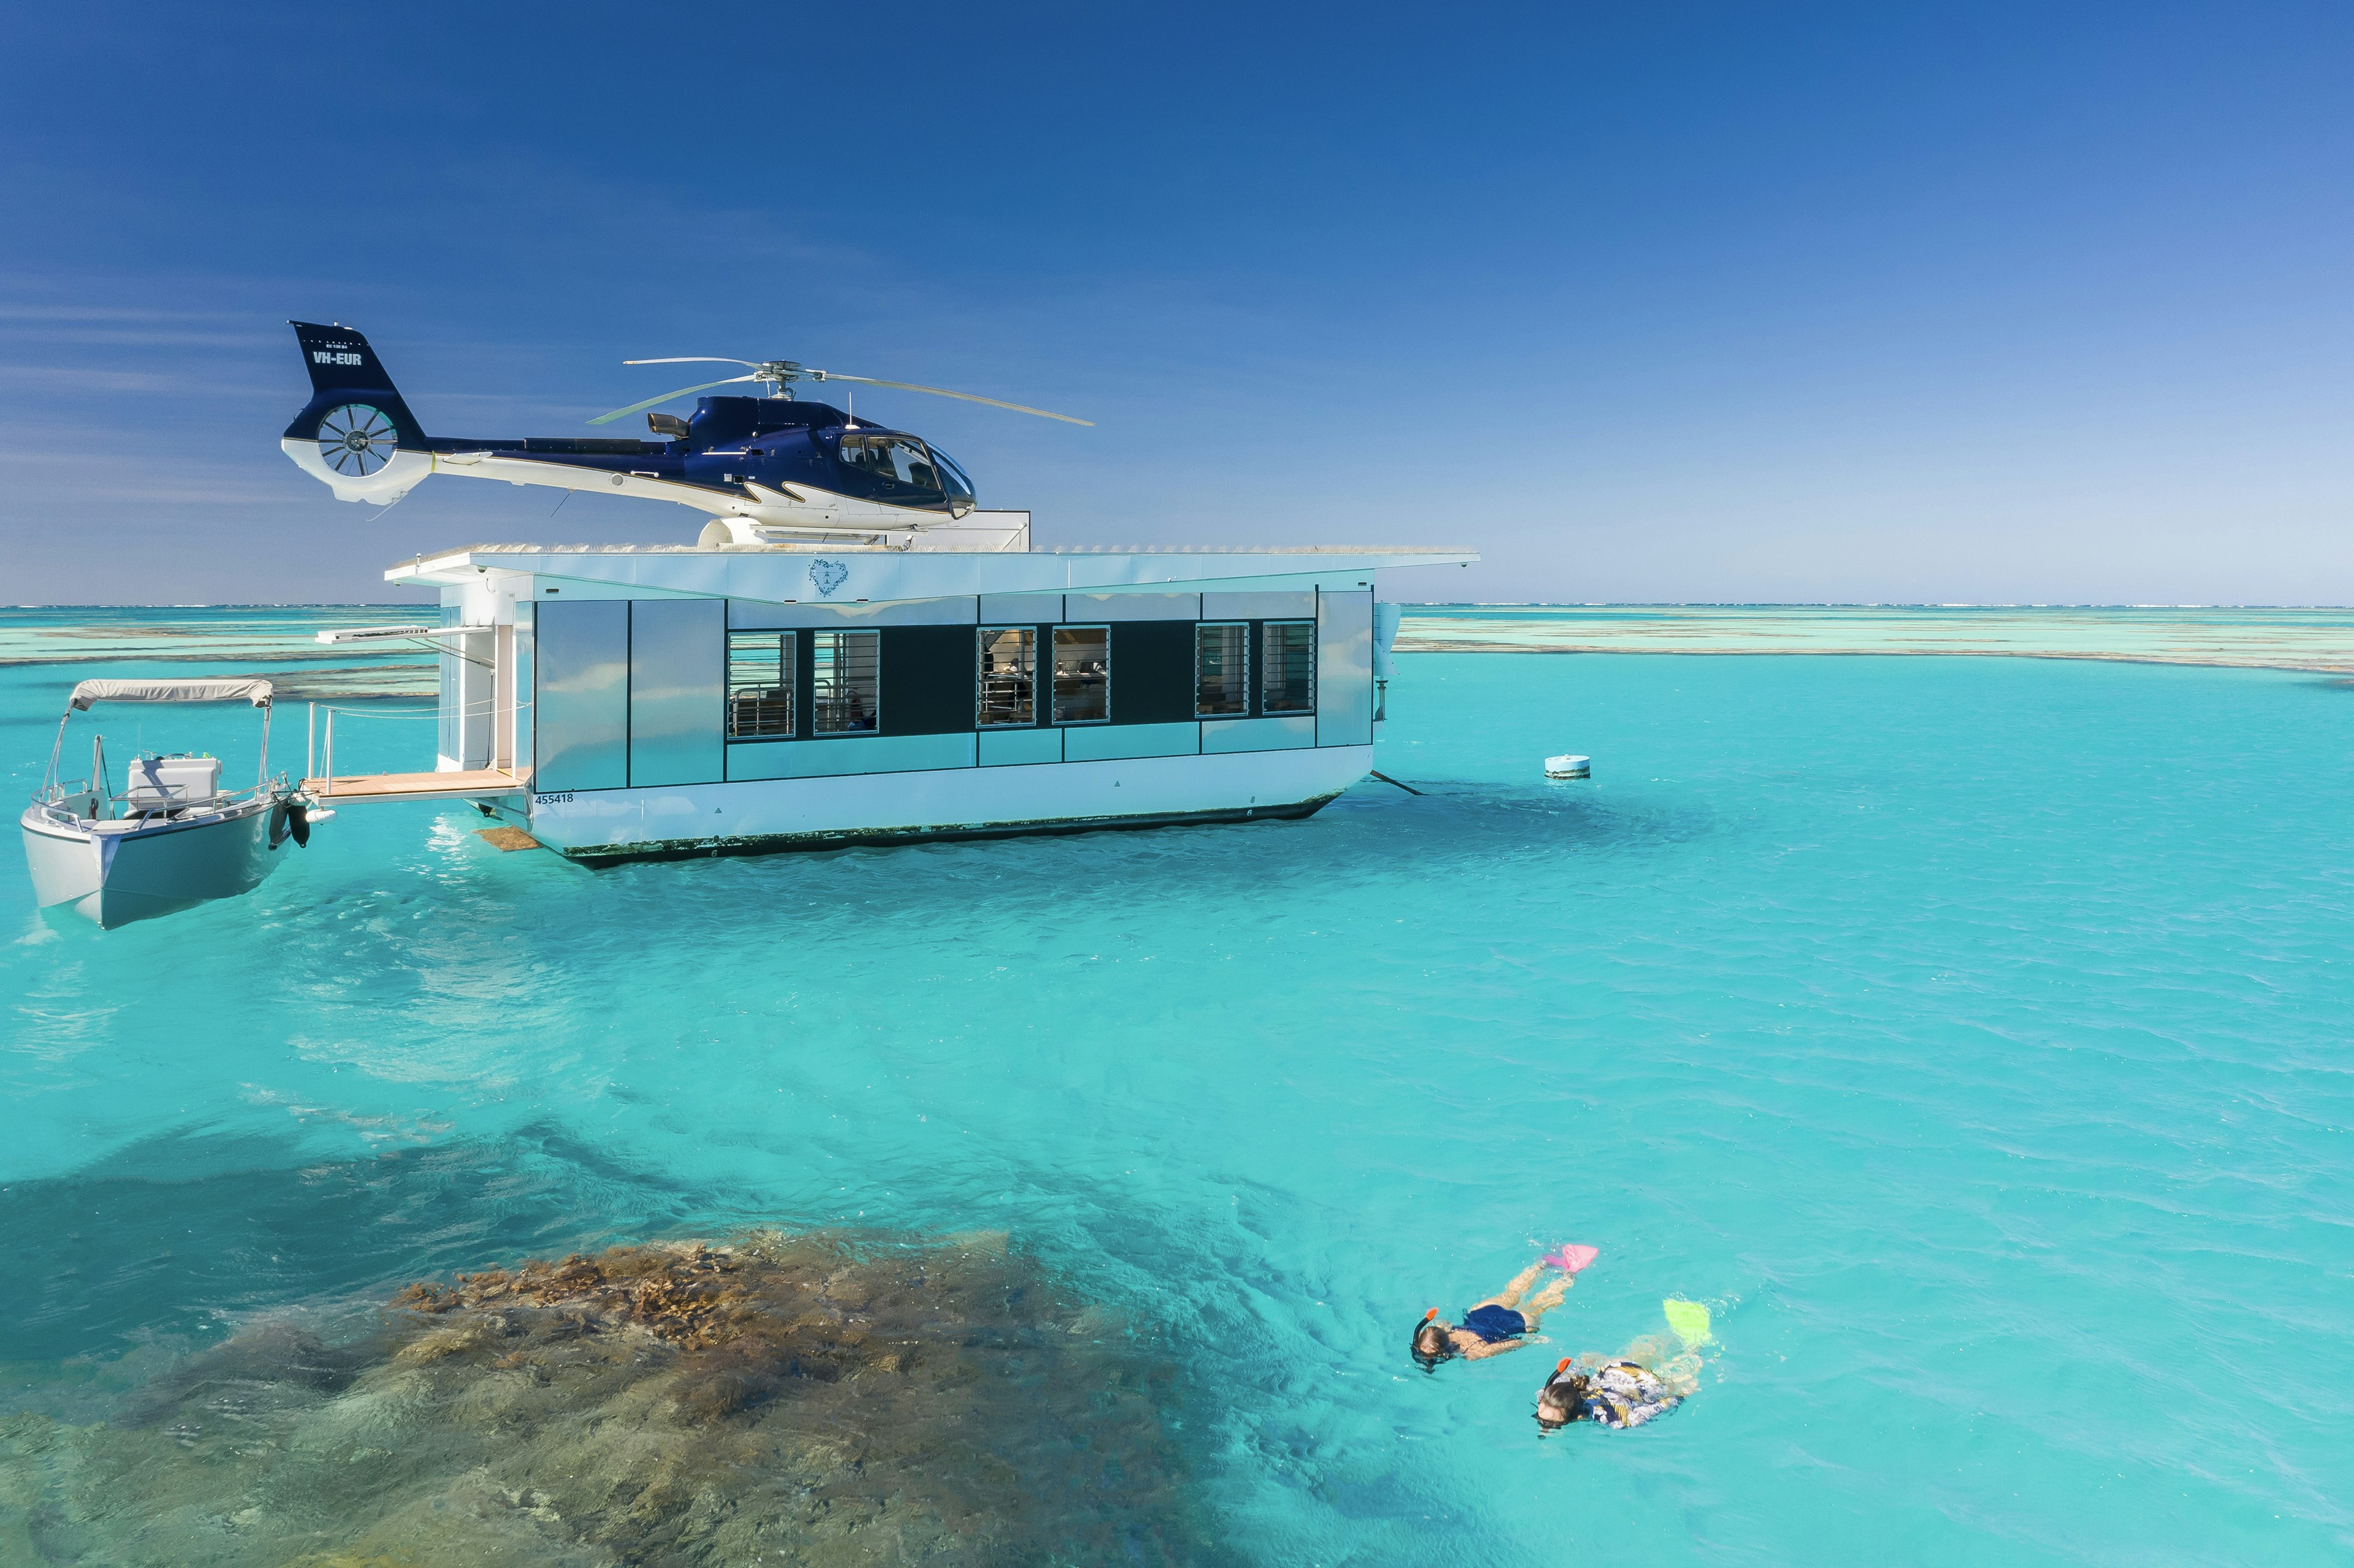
{"x":883,"y":576}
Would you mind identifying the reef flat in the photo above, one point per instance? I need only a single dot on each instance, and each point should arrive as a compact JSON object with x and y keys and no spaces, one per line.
{"x":278,"y":642}
{"x":2320,"y":640}
{"x":813,"y":1398}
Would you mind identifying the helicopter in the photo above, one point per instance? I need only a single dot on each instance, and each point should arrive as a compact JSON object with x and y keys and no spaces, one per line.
{"x":764,"y":467}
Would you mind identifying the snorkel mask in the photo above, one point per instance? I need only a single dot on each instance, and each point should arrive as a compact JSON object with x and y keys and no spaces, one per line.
{"x":1565,"y":1391}
{"x":1434,"y":1331}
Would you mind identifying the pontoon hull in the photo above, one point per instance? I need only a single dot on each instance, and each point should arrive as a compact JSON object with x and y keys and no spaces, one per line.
{"x":116,"y":878}
{"x":785,"y":814}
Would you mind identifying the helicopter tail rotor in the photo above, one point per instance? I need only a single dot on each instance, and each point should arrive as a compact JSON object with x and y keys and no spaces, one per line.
{"x":351,"y":391}
{"x":355,"y":435}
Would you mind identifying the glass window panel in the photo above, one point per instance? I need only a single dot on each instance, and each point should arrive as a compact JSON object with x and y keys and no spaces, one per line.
{"x":1082,"y":674}
{"x":1286,"y":682}
{"x":583,"y":695}
{"x":677,"y":687}
{"x":845,"y":682}
{"x":759,"y":685}
{"x":1009,"y":664}
{"x":1222,"y":669}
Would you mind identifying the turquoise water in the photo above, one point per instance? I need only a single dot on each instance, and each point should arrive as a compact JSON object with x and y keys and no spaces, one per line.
{"x":1971,"y":1033}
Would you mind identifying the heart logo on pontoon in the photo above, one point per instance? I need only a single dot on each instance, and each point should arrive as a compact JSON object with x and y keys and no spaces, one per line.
{"x":828,"y":576}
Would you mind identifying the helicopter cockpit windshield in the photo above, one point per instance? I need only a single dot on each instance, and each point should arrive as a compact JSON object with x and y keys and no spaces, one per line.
{"x":907,"y":468}
{"x":958,"y":487}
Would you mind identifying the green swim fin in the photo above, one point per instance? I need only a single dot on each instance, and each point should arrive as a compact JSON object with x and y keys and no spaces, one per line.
{"x":1688,"y":1318}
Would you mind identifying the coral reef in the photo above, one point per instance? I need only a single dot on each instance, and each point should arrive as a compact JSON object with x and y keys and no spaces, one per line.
{"x":810,"y":1398}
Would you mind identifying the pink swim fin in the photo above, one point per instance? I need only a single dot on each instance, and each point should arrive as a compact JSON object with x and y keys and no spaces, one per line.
{"x":1570,"y":1260}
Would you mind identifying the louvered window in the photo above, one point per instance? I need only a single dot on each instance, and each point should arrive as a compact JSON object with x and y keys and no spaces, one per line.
{"x":1222,"y":669}
{"x":1009,"y":670}
{"x":759,"y":685}
{"x":845,"y":682}
{"x":1286,"y":679}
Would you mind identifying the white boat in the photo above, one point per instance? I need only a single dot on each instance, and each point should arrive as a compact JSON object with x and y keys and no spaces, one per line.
{"x":172,"y":838}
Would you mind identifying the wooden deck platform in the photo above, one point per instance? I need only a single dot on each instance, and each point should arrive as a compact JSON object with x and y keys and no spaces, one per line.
{"x":467,"y":786}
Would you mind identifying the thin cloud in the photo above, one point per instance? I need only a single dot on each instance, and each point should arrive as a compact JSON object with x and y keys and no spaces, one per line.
{"x":142,"y":337}
{"x":83,"y":313}
{"x":48,"y":481}
{"x":86,"y":378}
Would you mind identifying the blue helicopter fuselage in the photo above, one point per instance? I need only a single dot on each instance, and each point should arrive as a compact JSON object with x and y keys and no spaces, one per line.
{"x":781,"y":443}
{"x":773,"y":459}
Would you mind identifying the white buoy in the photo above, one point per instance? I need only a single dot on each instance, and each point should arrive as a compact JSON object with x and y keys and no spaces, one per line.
{"x":1569,"y":766}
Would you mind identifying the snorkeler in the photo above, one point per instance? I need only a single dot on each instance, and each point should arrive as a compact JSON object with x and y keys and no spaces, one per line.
{"x":1649,"y":1377}
{"x":1616,"y":1394}
{"x":1497,"y":1324}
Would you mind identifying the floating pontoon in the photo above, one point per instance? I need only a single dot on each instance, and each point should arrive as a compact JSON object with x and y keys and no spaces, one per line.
{"x":646,"y":701}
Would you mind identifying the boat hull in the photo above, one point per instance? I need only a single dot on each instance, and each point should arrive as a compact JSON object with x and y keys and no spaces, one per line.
{"x":760,"y":817}
{"x":116,"y":878}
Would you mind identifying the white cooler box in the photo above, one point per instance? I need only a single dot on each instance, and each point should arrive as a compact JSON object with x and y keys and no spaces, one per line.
{"x":159,"y":783}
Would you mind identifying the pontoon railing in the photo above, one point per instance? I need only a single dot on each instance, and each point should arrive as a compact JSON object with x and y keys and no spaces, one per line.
{"x":312,"y":753}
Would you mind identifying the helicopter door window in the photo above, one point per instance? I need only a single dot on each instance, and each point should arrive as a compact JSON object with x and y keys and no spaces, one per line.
{"x":845,"y":679}
{"x":1082,"y":674}
{"x":912,"y":466}
{"x":1222,"y":669}
{"x":1288,"y":668}
{"x":1009,"y":663}
{"x":759,"y":685}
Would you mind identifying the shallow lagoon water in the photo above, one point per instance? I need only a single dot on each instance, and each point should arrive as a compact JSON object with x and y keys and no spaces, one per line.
{"x":1970,"y":1033}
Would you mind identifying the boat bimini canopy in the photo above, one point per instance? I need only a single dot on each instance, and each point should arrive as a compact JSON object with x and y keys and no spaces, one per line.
{"x":89,"y":692}
{"x":257,"y":692}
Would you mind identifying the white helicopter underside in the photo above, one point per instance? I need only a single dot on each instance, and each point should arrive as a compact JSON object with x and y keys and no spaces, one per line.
{"x":801,"y":509}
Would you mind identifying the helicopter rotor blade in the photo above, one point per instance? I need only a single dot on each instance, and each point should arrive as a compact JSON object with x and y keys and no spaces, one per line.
{"x":640,"y":408}
{"x":698,"y":359}
{"x":944,"y":392}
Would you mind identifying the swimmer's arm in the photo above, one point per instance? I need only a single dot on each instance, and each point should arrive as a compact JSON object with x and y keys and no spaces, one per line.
{"x":1500,"y":1346}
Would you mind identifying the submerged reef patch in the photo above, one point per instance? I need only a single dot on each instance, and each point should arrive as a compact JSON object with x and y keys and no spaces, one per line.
{"x":810,"y":1398}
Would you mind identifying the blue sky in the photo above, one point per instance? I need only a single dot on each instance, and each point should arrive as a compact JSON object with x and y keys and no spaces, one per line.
{"x":1654,"y":303}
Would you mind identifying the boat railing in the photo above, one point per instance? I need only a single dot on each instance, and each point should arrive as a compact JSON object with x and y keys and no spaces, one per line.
{"x":59,"y":799}
{"x":74,"y":801}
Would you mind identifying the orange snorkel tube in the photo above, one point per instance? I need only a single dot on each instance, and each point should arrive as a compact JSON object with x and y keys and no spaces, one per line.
{"x":1430,"y":1361}
{"x":1565,"y":1407}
